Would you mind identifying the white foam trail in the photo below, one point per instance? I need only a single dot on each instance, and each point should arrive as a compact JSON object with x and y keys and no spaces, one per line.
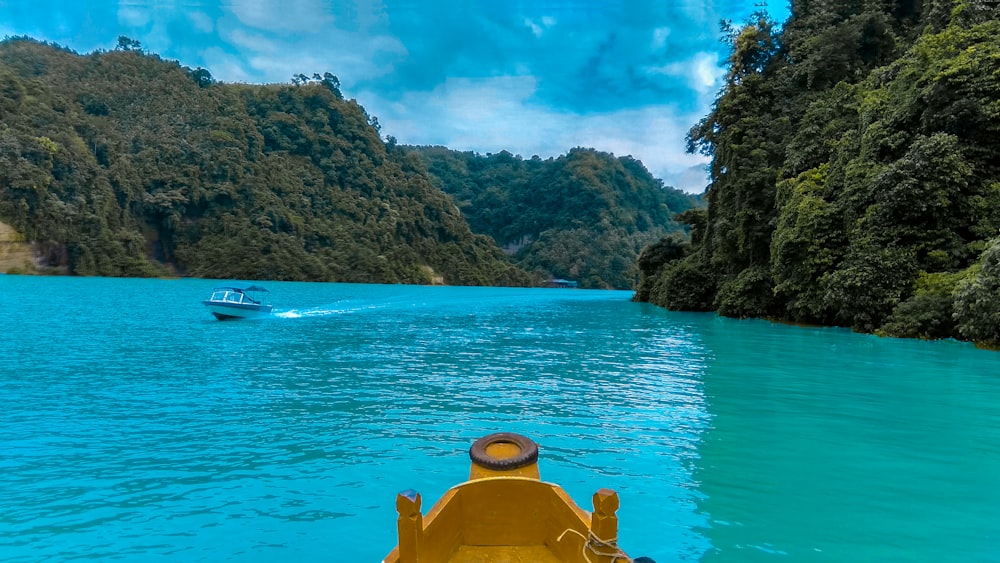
{"x":324,"y":311}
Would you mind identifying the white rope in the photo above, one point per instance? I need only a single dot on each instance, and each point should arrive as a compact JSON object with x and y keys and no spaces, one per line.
{"x":593,"y":542}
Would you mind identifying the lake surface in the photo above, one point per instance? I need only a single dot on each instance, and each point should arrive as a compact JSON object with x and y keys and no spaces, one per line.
{"x":136,"y":427}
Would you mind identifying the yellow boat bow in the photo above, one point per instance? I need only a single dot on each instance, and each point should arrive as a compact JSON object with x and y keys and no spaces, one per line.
{"x":505,"y":513}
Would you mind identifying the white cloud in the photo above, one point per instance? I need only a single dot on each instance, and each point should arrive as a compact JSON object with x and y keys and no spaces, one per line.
{"x":698,"y":11}
{"x":701,"y":72}
{"x":653,"y":134}
{"x":269,"y":41}
{"x":538,"y":27}
{"x":695,"y":177}
{"x":352,"y":55}
{"x":158,"y":37}
{"x":133,"y":16}
{"x":150,"y":22}
{"x":496,"y":114}
{"x":201,"y":22}
{"x":226,"y":67}
{"x":281,"y":68}
{"x":308,"y":16}
{"x":707,"y":75}
{"x":660,"y":35}
{"x":253,"y":42}
{"x":395,"y":58}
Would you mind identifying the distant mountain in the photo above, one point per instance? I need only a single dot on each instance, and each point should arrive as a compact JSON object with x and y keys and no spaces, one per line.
{"x":123,"y":164}
{"x":584,"y":216}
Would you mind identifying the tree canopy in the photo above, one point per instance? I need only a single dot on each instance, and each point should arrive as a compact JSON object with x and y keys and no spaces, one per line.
{"x":583,"y":216}
{"x":122,"y":164}
{"x":855,"y":175}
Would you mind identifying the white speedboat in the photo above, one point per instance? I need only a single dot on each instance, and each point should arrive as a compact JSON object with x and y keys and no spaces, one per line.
{"x":238,"y":302}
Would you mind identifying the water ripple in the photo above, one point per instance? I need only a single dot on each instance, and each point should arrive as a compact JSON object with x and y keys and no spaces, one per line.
{"x":136,"y":431}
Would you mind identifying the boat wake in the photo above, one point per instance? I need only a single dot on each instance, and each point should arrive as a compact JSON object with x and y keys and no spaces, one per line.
{"x":321,"y":311}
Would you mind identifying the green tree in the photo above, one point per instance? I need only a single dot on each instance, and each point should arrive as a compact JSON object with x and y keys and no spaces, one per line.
{"x":856,"y":151}
{"x":583,"y":216}
{"x":117,"y":164}
{"x":127,"y":44}
{"x":977,"y":308}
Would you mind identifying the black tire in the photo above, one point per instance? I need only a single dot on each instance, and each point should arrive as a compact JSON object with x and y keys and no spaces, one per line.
{"x":528,"y":455}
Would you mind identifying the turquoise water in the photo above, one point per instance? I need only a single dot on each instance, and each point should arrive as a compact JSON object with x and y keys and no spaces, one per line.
{"x":136,"y":427}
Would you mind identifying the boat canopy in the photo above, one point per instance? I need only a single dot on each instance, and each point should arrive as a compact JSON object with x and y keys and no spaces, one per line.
{"x":242,"y":289}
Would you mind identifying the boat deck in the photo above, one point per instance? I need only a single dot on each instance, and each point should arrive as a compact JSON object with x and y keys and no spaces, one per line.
{"x":504,"y":553}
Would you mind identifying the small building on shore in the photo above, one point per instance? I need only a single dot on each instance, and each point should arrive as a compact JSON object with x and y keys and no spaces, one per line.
{"x":561,"y":283}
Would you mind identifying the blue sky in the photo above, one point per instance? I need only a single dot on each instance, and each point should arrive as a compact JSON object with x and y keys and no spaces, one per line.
{"x":531,"y":77}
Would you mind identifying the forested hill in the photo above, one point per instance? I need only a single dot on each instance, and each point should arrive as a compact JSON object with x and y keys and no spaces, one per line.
{"x":584,"y":216}
{"x":122,"y":164}
{"x":855,"y":174}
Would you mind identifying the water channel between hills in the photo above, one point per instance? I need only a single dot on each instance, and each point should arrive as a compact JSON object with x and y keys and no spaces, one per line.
{"x":137,"y":427}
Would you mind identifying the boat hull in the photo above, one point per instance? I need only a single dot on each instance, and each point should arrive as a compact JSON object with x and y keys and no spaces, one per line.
{"x":504,"y":512}
{"x":233,"y":311}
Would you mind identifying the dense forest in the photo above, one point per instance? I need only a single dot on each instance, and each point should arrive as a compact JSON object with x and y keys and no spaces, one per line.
{"x":584,"y":216}
{"x":855,"y":177}
{"x":123,"y":164}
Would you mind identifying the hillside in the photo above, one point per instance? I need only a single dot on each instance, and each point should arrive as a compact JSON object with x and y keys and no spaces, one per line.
{"x":122,"y":164}
{"x":15,"y":254}
{"x":584,"y":216}
{"x":855,"y":175}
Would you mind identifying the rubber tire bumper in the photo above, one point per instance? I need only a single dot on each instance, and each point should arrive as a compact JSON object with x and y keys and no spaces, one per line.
{"x":528,"y":455}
